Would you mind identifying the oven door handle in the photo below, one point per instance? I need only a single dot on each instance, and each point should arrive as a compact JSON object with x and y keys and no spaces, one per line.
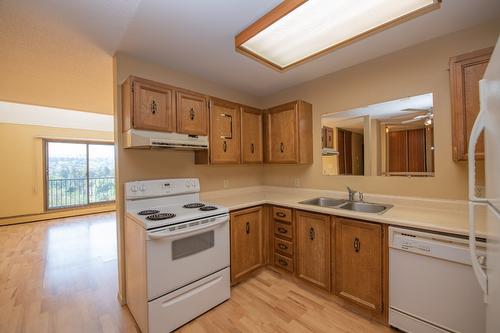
{"x":170,"y":234}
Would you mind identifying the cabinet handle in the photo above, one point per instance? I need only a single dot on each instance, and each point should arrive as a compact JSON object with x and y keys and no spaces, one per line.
{"x":280,"y":214}
{"x":247,"y":228}
{"x":282,"y":246}
{"x":357,"y":244}
{"x":282,"y":262}
{"x":154,"y":107}
{"x":282,"y":230}
{"x":191,"y":114}
{"x":224,"y":146}
{"x":282,"y":147}
{"x":252,"y":148}
{"x":312,"y":234}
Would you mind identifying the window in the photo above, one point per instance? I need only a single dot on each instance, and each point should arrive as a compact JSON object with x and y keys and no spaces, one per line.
{"x":78,"y":173}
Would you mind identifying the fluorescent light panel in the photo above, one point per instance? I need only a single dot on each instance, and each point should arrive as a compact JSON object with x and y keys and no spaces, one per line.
{"x":317,"y":26}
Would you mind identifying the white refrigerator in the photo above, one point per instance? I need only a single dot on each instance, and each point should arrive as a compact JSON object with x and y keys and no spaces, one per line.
{"x":488,"y":271}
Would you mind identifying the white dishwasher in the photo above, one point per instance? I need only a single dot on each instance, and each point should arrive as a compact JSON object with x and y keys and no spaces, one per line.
{"x":432,"y":287}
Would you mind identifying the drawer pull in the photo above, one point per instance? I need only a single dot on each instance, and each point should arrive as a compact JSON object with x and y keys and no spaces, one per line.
{"x":280,"y":214}
{"x":312,"y":234}
{"x":248,"y":227}
{"x":252,"y":148}
{"x":282,"y":230}
{"x":357,"y":244}
{"x":282,"y":262}
{"x":191,"y":114}
{"x":154,"y":107}
{"x":282,"y":147}
{"x":224,"y":146}
{"x":282,"y":246}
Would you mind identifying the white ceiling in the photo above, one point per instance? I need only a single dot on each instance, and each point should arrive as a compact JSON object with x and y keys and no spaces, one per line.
{"x":197,"y":36}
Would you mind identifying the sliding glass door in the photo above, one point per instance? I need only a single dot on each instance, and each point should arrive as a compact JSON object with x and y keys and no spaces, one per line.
{"x":79,"y":174}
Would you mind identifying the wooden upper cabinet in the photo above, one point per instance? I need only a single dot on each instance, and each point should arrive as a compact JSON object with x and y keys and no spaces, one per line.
{"x":251,"y":135}
{"x":247,"y":246}
{"x":288,"y":133}
{"x":148,"y":105}
{"x":192,"y":113}
{"x":466,"y":71}
{"x":224,"y":132}
{"x":313,"y":248}
{"x":358,"y":263}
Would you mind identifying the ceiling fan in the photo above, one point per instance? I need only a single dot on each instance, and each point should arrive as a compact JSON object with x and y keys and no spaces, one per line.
{"x":427,"y":117}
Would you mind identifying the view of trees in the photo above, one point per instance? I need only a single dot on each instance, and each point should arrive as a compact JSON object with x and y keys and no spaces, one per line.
{"x":68,"y":184}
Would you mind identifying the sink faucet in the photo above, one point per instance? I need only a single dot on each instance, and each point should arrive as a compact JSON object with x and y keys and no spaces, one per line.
{"x":352,"y":193}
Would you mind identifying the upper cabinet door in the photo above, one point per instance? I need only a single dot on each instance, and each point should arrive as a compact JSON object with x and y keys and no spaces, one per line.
{"x":282,"y":134}
{"x":251,"y":135}
{"x":465,"y":73}
{"x":153,"y":106}
{"x":224,"y":132}
{"x":192,"y":113}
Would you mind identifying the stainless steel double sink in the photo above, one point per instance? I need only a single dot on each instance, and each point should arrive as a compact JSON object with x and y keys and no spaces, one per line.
{"x":357,"y":206}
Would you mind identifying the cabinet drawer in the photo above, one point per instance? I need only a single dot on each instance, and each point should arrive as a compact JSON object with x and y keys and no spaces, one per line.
{"x":283,"y":246}
{"x":283,"y":262}
{"x":283,"y":230}
{"x":282,"y":214}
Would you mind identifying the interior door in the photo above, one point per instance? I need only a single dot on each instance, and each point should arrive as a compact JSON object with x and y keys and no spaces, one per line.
{"x":416,"y":150}
{"x":397,"y":151}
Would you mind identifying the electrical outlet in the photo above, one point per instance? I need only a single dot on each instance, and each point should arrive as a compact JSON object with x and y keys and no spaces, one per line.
{"x":226,"y":183}
{"x":296,"y":182}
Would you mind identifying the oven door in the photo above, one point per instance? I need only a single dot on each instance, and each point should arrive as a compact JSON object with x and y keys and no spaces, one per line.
{"x":181,"y":254}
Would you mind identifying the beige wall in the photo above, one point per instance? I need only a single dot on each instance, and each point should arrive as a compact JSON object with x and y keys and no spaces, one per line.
{"x":42,"y":62}
{"x":416,"y":70}
{"x":21,"y":176}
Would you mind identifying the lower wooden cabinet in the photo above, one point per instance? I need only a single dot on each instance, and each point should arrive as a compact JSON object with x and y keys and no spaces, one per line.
{"x":247,"y":247}
{"x":313,"y":248}
{"x":359,"y":264}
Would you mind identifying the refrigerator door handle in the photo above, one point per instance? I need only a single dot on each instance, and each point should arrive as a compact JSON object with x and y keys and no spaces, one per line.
{"x":478,"y":270}
{"x":478,"y":127}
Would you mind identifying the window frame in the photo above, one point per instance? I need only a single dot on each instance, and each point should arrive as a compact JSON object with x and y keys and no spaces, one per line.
{"x":45,"y":163}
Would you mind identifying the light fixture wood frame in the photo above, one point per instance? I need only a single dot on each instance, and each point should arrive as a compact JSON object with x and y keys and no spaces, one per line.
{"x":288,"y":6}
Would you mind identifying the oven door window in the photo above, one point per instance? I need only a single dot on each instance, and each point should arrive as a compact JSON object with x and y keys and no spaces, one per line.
{"x":188,"y":246}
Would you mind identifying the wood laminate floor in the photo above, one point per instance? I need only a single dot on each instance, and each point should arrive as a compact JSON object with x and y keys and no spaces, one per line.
{"x":61,"y":276}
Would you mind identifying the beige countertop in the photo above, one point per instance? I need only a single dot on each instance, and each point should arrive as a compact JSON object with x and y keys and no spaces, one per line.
{"x":450,"y":216}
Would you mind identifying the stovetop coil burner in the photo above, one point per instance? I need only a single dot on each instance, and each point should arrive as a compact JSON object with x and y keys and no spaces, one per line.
{"x":148,"y":212}
{"x":161,"y":216}
{"x":206,"y":208}
{"x":194,"y":205}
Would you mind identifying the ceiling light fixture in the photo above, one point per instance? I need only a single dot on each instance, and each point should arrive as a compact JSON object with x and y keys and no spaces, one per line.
{"x":299,"y":30}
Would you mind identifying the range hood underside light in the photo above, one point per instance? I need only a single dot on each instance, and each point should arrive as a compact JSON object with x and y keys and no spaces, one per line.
{"x":298,"y":30}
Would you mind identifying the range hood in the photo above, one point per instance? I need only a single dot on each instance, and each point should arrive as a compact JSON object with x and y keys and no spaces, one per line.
{"x":329,"y":152}
{"x":150,"y":139}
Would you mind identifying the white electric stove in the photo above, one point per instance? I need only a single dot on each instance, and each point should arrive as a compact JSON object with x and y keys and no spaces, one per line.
{"x":187,"y":250}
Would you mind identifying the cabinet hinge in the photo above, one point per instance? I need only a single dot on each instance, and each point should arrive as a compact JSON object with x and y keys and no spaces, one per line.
{"x":208,"y":105}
